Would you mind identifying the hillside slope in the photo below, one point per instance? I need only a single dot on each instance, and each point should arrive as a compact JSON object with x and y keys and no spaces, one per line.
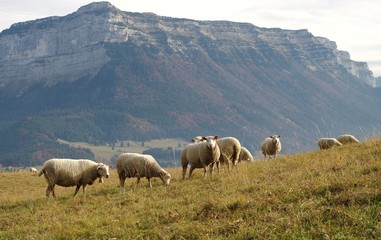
{"x":316,"y":195}
{"x":101,"y":74}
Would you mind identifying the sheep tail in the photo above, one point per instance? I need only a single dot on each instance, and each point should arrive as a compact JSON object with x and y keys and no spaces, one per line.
{"x":41,"y":172}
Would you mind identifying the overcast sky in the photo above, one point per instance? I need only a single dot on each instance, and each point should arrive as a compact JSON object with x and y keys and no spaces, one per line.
{"x":353,"y":24}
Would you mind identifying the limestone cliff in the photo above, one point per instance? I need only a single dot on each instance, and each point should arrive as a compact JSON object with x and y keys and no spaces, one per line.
{"x":59,"y":48}
{"x":68,"y":48}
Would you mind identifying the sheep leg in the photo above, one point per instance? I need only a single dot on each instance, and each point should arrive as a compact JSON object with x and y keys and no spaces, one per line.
{"x":84,"y":189}
{"x":122,"y":179}
{"x":204,"y":172}
{"x":149,"y":182}
{"x":236,"y":166}
{"x":190,"y":171}
{"x":49,"y":189}
{"x":76,"y":189}
{"x":236,"y":158}
{"x":54,"y":193}
{"x":138,"y":180}
{"x":211,"y":166}
{"x":184,"y":171}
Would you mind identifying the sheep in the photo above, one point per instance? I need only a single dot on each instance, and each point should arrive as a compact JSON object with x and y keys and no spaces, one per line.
{"x":346,"y":139}
{"x":33,"y":171}
{"x":72,"y":172}
{"x":230,"y":148}
{"x":327,"y":143}
{"x":197,"y":139}
{"x":137,"y":165}
{"x":245,"y":155}
{"x":200,"y":155}
{"x":271,"y":146}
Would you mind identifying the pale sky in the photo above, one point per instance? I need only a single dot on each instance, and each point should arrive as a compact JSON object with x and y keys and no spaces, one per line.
{"x":354,"y":25}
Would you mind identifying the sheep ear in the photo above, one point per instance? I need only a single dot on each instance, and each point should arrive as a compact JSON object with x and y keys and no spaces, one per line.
{"x":204,"y":138}
{"x":279,"y":136}
{"x":99,"y":166}
{"x":110,"y":166}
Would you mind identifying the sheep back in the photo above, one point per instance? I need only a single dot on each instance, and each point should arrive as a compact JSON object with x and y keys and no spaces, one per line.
{"x":347,"y":138}
{"x":69,"y":172}
{"x":327,"y":143}
{"x":190,"y":154}
{"x":33,"y":170}
{"x":130,"y":165}
{"x":245,"y":155}
{"x":230,"y":148}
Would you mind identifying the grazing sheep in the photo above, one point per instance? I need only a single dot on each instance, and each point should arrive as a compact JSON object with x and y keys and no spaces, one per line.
{"x":33,"y":170}
{"x":230,"y":148}
{"x":138,"y":165}
{"x":197,"y":139}
{"x":200,"y":155}
{"x":70,"y":172}
{"x":327,"y":143}
{"x":271,"y":146}
{"x":245,"y":155}
{"x":346,"y":139}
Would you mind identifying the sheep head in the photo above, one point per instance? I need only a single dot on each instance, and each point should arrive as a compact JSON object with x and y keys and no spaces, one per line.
{"x":275,"y":139}
{"x":103,"y":171}
{"x":210,"y":141}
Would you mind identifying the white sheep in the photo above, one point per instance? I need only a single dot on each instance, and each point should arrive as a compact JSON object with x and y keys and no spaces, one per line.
{"x":346,"y":139}
{"x":230,"y":149}
{"x":271,"y":146}
{"x":201,"y":155}
{"x":327,"y":143}
{"x":137,"y":165}
{"x":71,"y":172}
{"x":33,"y":171}
{"x":197,"y":139}
{"x":245,"y":155}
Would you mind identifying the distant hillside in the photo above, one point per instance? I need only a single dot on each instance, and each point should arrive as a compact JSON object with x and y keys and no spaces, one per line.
{"x":100,"y":75}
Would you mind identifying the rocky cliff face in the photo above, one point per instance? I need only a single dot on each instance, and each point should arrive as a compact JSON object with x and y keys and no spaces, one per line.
{"x":71,"y":47}
{"x":59,"y":48}
{"x":378,"y":82}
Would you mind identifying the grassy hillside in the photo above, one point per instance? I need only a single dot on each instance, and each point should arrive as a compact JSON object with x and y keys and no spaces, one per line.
{"x":334,"y":194}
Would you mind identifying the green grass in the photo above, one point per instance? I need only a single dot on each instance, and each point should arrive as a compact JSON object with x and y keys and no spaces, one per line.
{"x":334,"y":194}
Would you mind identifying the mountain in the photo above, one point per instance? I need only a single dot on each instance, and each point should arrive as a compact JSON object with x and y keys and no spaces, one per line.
{"x":101,"y":74}
{"x":378,"y":82}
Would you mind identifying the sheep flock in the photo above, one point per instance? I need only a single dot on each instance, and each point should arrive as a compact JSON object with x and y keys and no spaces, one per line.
{"x":205,"y":152}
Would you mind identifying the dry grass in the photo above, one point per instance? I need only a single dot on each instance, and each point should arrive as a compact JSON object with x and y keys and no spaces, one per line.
{"x":334,"y":194}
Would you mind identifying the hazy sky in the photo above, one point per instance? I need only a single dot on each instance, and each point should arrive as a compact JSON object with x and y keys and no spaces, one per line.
{"x":353,"y":24}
